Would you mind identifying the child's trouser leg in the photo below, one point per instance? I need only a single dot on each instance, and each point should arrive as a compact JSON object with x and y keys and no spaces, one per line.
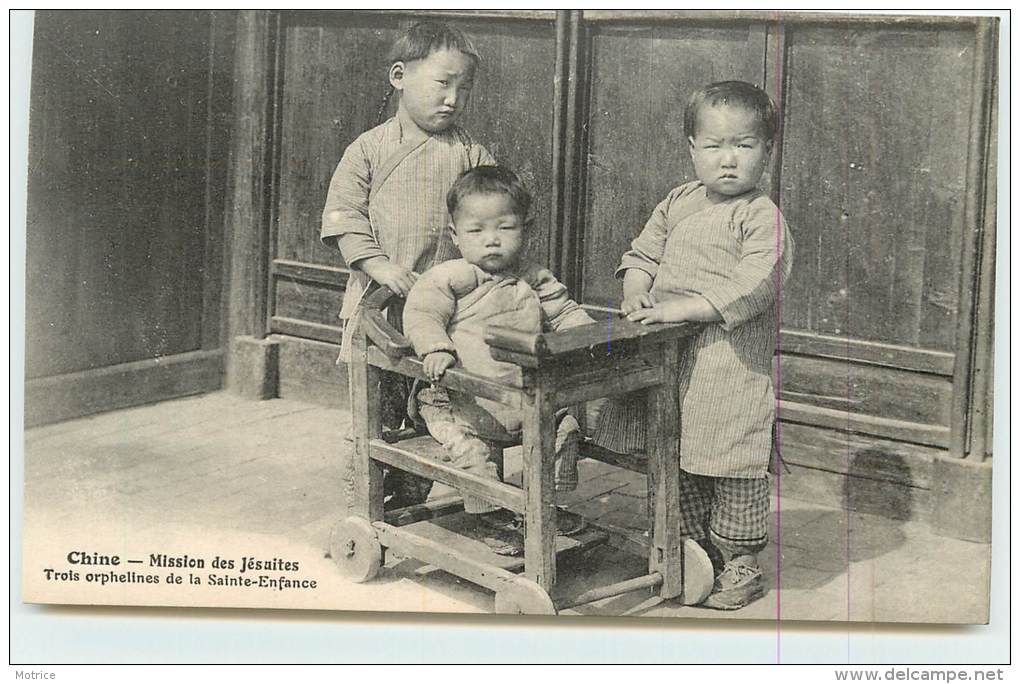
{"x":728,"y":517}
{"x":568,"y":438}
{"x":696,"y":496}
{"x":740,"y":513}
{"x":620,"y":425}
{"x":406,"y":488}
{"x":730,"y":512}
{"x":738,"y":530}
{"x":466,"y":450}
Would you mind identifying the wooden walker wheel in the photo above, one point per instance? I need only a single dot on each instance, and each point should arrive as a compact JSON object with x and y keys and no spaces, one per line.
{"x":699,"y":576}
{"x":355,"y":548}
{"x":521,"y":596}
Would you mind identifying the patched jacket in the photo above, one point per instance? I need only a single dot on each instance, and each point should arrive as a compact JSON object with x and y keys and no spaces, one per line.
{"x":452,"y":304}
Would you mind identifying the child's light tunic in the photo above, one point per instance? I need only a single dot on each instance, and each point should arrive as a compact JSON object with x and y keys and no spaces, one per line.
{"x":387,"y":198}
{"x":452,"y":304}
{"x":734,"y":253}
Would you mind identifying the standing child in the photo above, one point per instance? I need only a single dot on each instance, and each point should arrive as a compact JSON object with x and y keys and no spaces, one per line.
{"x":716,"y":251}
{"x":446,"y":315}
{"x":385,"y":208}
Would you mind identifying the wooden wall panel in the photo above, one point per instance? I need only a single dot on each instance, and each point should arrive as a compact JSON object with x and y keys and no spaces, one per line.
{"x":641,"y":77}
{"x":333,"y":81}
{"x":872,"y":174}
{"x":873,"y":180}
{"x":118,"y":198}
{"x":869,"y":390}
{"x":511,"y":110}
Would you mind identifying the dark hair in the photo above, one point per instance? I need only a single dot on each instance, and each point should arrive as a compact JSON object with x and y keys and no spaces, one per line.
{"x":484,"y":180}
{"x":735,"y":94}
{"x":426,"y":37}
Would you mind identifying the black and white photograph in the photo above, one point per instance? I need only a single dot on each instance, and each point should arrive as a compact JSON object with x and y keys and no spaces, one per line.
{"x":669,"y":314}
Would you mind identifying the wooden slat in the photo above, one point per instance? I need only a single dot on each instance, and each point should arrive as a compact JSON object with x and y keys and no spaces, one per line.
{"x":311,"y":273}
{"x":251,"y":173}
{"x":306,"y":301}
{"x":520,"y":15}
{"x":362,"y":477}
{"x":864,"y":389}
{"x":980,"y":443}
{"x":859,"y":472}
{"x":274,"y":110}
{"x":744,"y":16}
{"x":560,"y":126}
{"x":867,"y":352}
{"x":454,"y":378}
{"x":61,"y":397}
{"x":918,"y":433}
{"x":424,"y":456}
{"x":538,"y":422}
{"x":596,"y":389}
{"x":306,"y":329}
{"x":476,"y":566}
{"x":575,"y":153}
{"x":774,"y":83}
{"x":598,"y":337}
{"x":857,"y":455}
{"x":974,"y":201}
{"x":599,"y":593}
{"x":219,"y":107}
{"x":661,"y":441}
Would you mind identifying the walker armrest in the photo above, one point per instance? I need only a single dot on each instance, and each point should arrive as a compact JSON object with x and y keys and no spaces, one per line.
{"x":389,"y":340}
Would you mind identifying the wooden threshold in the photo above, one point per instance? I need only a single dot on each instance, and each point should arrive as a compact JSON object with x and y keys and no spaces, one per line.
{"x":72,"y":395}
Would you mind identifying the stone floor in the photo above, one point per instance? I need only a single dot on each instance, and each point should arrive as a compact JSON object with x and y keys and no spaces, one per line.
{"x":216,"y":475}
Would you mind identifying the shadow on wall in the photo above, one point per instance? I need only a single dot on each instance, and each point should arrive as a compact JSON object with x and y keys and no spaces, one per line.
{"x":818,"y":545}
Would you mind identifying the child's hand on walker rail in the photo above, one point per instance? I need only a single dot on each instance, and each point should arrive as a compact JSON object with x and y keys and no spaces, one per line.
{"x":436,"y":363}
{"x":677,"y":310}
{"x":643,"y":300}
{"x":385,"y":272}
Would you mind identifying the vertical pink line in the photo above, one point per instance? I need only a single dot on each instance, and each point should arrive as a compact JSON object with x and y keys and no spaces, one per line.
{"x":848,"y":503}
{"x":779,"y":357}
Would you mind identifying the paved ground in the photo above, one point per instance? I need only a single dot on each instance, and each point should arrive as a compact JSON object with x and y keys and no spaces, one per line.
{"x":217,"y":475}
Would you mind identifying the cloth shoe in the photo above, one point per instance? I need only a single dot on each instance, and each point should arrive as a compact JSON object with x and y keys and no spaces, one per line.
{"x":737,"y":585}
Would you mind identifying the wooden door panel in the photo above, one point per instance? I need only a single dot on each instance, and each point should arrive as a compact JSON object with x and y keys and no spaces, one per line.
{"x":334,"y":87}
{"x":641,"y":77}
{"x":873,"y":180}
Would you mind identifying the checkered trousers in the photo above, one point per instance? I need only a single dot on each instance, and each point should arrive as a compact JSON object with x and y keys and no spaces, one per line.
{"x":731,"y":512}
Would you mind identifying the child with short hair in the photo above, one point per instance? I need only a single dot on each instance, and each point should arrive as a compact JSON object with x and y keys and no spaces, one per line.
{"x":451,"y":305}
{"x":385,"y":209}
{"x":716,"y":251}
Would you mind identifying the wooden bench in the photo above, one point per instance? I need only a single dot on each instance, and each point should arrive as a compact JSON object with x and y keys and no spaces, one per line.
{"x":561,"y":369}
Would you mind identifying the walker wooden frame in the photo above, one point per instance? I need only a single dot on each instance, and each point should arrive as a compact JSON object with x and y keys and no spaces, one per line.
{"x":560,"y":369}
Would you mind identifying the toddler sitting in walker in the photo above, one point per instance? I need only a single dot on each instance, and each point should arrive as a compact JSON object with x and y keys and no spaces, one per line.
{"x":445,"y":317}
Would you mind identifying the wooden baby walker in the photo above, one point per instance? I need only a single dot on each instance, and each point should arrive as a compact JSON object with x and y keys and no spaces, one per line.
{"x":560,"y":369}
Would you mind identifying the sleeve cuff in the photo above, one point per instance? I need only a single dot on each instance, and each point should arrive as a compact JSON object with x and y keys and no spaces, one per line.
{"x":355,"y":247}
{"x":727,"y":301}
{"x":630,"y":261}
{"x":437,"y":346}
